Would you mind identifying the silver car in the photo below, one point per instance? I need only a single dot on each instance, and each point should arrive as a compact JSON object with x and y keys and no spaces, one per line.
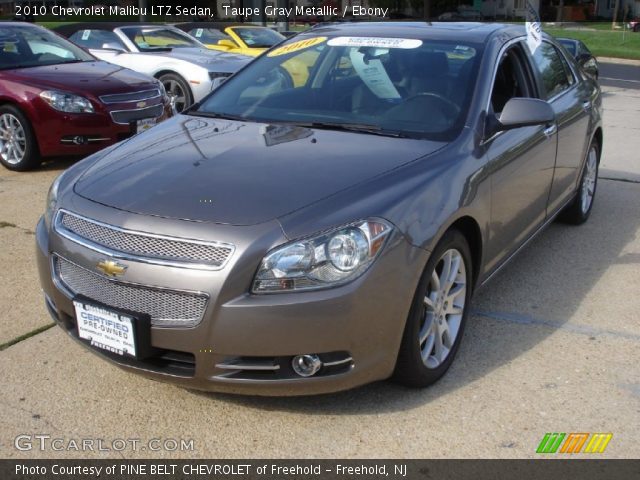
{"x":187,"y":68}
{"x":288,"y":238}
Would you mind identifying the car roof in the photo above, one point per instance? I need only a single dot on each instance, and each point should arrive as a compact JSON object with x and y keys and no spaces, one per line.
{"x":469,"y":31}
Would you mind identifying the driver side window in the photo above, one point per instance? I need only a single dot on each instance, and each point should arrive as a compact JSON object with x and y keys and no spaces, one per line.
{"x":511,"y":79}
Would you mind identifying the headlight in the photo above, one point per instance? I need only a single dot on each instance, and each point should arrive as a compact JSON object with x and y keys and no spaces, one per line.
{"x":52,"y":199}
{"x":328,"y":260}
{"x":67,"y":102}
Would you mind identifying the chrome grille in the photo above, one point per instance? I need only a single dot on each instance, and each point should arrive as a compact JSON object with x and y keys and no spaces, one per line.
{"x":124,"y":117}
{"x":167,"y":308}
{"x":130,"y":97}
{"x":138,"y":244}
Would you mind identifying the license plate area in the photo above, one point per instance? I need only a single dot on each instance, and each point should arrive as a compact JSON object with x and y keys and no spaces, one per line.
{"x":145,"y":124}
{"x":120,"y":333}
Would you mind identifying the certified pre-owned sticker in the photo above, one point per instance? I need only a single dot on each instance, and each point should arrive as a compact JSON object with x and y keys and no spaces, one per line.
{"x":295,"y":46}
{"x":374,"y":42}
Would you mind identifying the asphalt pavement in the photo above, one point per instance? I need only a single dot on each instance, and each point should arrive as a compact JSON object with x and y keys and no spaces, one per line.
{"x":552,"y":346}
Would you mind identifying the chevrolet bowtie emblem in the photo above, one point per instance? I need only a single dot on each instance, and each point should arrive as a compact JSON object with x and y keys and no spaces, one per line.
{"x":141,"y":104}
{"x":111,"y":268}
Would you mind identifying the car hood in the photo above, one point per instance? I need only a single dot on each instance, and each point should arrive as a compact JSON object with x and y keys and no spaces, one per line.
{"x":211,"y":60}
{"x":99,"y":78}
{"x":239,"y":173}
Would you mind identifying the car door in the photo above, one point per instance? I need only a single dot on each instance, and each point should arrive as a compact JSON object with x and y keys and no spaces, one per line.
{"x":570,"y":98}
{"x":520,"y":161}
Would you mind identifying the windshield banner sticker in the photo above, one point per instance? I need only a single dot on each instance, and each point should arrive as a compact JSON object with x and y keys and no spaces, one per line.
{"x":374,"y":76}
{"x":374,"y":42}
{"x":295,"y":46}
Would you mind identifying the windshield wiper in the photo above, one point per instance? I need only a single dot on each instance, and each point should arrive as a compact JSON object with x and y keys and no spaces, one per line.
{"x":352,"y":127}
{"x":222,"y":116}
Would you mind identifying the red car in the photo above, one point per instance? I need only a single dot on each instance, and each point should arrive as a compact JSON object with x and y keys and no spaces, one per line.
{"x":58,"y":100}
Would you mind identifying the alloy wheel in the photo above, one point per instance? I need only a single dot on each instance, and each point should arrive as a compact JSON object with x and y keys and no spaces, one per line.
{"x":589,"y":181}
{"x":176,"y":94}
{"x":444,"y":304}
{"x":13,"y":141}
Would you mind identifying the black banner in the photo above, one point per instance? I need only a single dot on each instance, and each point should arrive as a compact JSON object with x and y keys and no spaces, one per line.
{"x":204,"y":469}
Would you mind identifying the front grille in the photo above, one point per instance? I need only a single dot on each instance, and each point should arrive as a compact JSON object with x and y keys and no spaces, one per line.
{"x":167,"y":308}
{"x":125,"y":117}
{"x":130,"y":97}
{"x":138,"y":244}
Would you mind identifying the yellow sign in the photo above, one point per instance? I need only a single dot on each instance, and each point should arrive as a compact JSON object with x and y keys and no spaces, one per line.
{"x":295,"y":46}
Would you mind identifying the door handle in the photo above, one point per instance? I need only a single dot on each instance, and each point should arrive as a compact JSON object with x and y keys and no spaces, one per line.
{"x":586,"y":106}
{"x":550,"y":130}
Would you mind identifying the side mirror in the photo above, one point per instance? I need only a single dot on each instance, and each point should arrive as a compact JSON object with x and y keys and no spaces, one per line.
{"x":227,"y":43}
{"x":113,"y":47}
{"x":525,"y":112}
{"x":588,"y":64}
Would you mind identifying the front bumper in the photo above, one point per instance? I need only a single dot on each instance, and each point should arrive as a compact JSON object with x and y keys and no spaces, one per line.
{"x":55,"y":132}
{"x":362,"y":321}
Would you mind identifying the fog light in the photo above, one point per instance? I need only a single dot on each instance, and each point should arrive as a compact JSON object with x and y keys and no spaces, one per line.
{"x":306,"y":365}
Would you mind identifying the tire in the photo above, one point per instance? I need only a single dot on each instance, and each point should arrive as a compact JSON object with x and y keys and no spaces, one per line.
{"x":636,"y":28}
{"x":18,"y":145}
{"x":418,"y":340}
{"x":178,"y":91}
{"x":579,"y":210}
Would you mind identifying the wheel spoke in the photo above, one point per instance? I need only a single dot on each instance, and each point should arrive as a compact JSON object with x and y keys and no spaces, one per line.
{"x":427,"y":328}
{"x":429,"y":302}
{"x":435,"y":281}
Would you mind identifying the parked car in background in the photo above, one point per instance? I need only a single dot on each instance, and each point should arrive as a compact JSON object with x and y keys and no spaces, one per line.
{"x":56,"y":99}
{"x":634,"y":25}
{"x":582,"y":54}
{"x":242,"y":38}
{"x":186,"y":68}
{"x":280,"y":239}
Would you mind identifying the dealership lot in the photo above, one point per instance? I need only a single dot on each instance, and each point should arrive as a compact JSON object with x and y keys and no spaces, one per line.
{"x":550,"y":348}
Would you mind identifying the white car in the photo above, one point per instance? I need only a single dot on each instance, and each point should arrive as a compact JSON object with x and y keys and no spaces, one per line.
{"x":187,"y":69}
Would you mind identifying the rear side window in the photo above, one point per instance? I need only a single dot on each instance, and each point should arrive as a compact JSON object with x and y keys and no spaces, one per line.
{"x":553,"y":68}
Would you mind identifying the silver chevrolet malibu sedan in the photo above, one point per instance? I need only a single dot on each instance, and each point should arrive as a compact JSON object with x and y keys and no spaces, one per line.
{"x":321,"y":220}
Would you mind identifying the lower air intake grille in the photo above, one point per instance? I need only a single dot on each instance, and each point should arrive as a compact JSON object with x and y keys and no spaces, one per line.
{"x":167,"y":308}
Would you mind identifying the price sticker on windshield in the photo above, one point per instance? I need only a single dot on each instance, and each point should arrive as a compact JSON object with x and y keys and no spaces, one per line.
{"x":378,"y":42}
{"x":295,"y":46}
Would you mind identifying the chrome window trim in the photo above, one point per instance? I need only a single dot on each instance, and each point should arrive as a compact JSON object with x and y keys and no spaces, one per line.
{"x":62,"y":231}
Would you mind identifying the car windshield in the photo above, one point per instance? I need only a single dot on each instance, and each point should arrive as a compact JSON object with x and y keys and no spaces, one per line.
{"x":28,"y":46}
{"x":208,"y":35}
{"x":258,"y":37}
{"x":153,"y":38}
{"x":384,"y":86}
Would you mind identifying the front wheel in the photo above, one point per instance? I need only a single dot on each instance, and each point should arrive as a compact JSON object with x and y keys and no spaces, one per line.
{"x":578,"y":211}
{"x":18,"y":146}
{"x":177,"y":90}
{"x":438,"y":314}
